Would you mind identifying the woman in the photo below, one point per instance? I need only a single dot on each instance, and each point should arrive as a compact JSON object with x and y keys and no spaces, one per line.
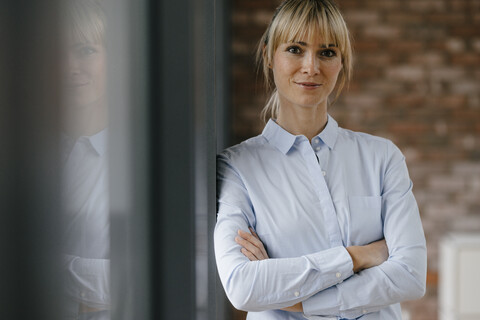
{"x":320,"y":198}
{"x":84,"y":196}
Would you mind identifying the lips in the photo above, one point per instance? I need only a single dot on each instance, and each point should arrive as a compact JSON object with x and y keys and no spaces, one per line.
{"x":76,"y":84}
{"x":308,"y":85}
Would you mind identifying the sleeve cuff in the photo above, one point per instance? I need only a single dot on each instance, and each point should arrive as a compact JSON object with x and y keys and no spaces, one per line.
{"x":334,"y":264}
{"x":324,"y":303}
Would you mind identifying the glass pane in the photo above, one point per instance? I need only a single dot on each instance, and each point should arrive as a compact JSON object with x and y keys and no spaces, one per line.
{"x":84,"y":159}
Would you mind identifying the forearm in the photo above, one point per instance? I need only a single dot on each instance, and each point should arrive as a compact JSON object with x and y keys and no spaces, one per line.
{"x":402,"y":277}
{"x":275,"y":283}
{"x":87,"y":281}
{"x":380,"y":286}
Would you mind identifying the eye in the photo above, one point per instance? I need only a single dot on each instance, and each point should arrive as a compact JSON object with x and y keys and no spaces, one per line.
{"x":328,"y":53}
{"x":294,"y":49}
{"x":86,"y":51}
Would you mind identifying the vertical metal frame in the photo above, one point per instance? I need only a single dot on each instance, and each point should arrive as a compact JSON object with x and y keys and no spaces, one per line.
{"x":163,"y":146}
{"x":29,"y":174}
{"x":174,"y":142}
{"x":130,"y":159}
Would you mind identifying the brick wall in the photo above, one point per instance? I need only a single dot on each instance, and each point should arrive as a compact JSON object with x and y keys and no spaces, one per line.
{"x":416,"y":82}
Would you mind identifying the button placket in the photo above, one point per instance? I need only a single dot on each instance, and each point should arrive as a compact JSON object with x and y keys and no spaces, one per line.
{"x":323,"y":192}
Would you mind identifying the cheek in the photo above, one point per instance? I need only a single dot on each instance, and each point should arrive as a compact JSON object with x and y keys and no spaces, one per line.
{"x":333,"y":70}
{"x":282,"y":72}
{"x":98,"y":70}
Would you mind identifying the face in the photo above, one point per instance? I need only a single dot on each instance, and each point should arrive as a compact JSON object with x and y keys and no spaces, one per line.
{"x":305,"y":72}
{"x":85,"y":78}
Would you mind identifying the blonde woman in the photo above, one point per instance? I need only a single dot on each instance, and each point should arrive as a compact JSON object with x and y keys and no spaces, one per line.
{"x":86,"y":221}
{"x":315,"y":220}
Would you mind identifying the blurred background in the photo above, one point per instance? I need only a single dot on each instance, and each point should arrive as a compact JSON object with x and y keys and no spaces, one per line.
{"x":112,"y":111}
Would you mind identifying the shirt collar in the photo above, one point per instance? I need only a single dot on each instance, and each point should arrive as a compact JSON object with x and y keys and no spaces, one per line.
{"x":99,"y":142}
{"x":278,"y":137}
{"x":330,"y":133}
{"x":284,"y":140}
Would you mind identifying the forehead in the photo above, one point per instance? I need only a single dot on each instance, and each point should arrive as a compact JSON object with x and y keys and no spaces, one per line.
{"x":307,"y":32}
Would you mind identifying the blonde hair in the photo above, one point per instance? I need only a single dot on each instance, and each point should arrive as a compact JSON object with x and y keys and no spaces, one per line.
{"x":296,"y":19}
{"x":84,"y":20}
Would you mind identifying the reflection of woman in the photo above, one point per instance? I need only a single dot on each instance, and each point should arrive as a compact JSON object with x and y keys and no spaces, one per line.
{"x":84,"y":151}
{"x":321,"y":198}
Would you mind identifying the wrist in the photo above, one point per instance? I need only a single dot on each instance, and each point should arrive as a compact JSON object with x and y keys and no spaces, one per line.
{"x":355,"y":254}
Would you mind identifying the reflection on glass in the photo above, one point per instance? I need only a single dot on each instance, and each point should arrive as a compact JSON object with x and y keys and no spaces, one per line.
{"x":85,"y":206}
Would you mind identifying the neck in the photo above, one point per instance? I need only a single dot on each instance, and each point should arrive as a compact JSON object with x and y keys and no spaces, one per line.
{"x":85,"y":120}
{"x":303,"y":121}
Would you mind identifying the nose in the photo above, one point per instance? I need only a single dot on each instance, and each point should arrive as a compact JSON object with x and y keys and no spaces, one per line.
{"x":311,"y":65}
{"x":71,"y":64}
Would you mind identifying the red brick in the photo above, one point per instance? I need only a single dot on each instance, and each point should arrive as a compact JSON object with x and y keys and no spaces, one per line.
{"x":476,"y":44}
{"x":404,"y":18}
{"x":446,"y":18}
{"x":465,"y":86}
{"x":357,"y":17}
{"x":467,"y":59}
{"x":467,"y":30}
{"x":447,"y":74}
{"x":455,"y":45}
{"x":428,"y":58}
{"x":405,"y":73}
{"x":382,"y":31}
{"x":408,"y":45}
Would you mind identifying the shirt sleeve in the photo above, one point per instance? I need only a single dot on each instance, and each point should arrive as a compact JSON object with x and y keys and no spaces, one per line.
{"x":403,"y":276}
{"x":87,"y":281}
{"x":272,"y":283}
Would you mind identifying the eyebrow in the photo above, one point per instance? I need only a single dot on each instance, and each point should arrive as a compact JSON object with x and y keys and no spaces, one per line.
{"x":306,"y":44}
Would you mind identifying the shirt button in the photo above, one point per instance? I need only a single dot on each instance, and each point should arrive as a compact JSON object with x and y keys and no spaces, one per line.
{"x":296,"y":293}
{"x":338,"y":275}
{"x":364,"y":311}
{"x":317,"y":148}
{"x":82,"y":294}
{"x":324,"y":173}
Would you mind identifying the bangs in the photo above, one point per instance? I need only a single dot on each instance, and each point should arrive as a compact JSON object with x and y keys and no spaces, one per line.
{"x":84,"y":21}
{"x":306,"y":23}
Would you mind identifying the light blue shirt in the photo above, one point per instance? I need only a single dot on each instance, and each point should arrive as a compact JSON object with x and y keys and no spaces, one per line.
{"x":86,"y":226}
{"x":307,"y":202}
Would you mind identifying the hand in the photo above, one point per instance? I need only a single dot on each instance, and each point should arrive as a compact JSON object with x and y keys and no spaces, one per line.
{"x":252,"y":246}
{"x":295,"y":308}
{"x":83,"y":308}
{"x":368,"y":256}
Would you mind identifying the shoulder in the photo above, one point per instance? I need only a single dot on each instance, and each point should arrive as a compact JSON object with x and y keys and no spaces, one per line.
{"x":368,"y":145}
{"x":247,"y":149}
{"x":363,"y":139}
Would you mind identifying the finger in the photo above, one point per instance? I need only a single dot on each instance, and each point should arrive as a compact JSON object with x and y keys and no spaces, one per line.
{"x":250,"y":247}
{"x":255,"y":241}
{"x":254,"y":233}
{"x":250,"y":237}
{"x":248,"y":254}
{"x":262,"y":246}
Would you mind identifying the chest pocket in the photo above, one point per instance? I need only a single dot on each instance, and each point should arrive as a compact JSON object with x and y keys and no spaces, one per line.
{"x":366,"y":223}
